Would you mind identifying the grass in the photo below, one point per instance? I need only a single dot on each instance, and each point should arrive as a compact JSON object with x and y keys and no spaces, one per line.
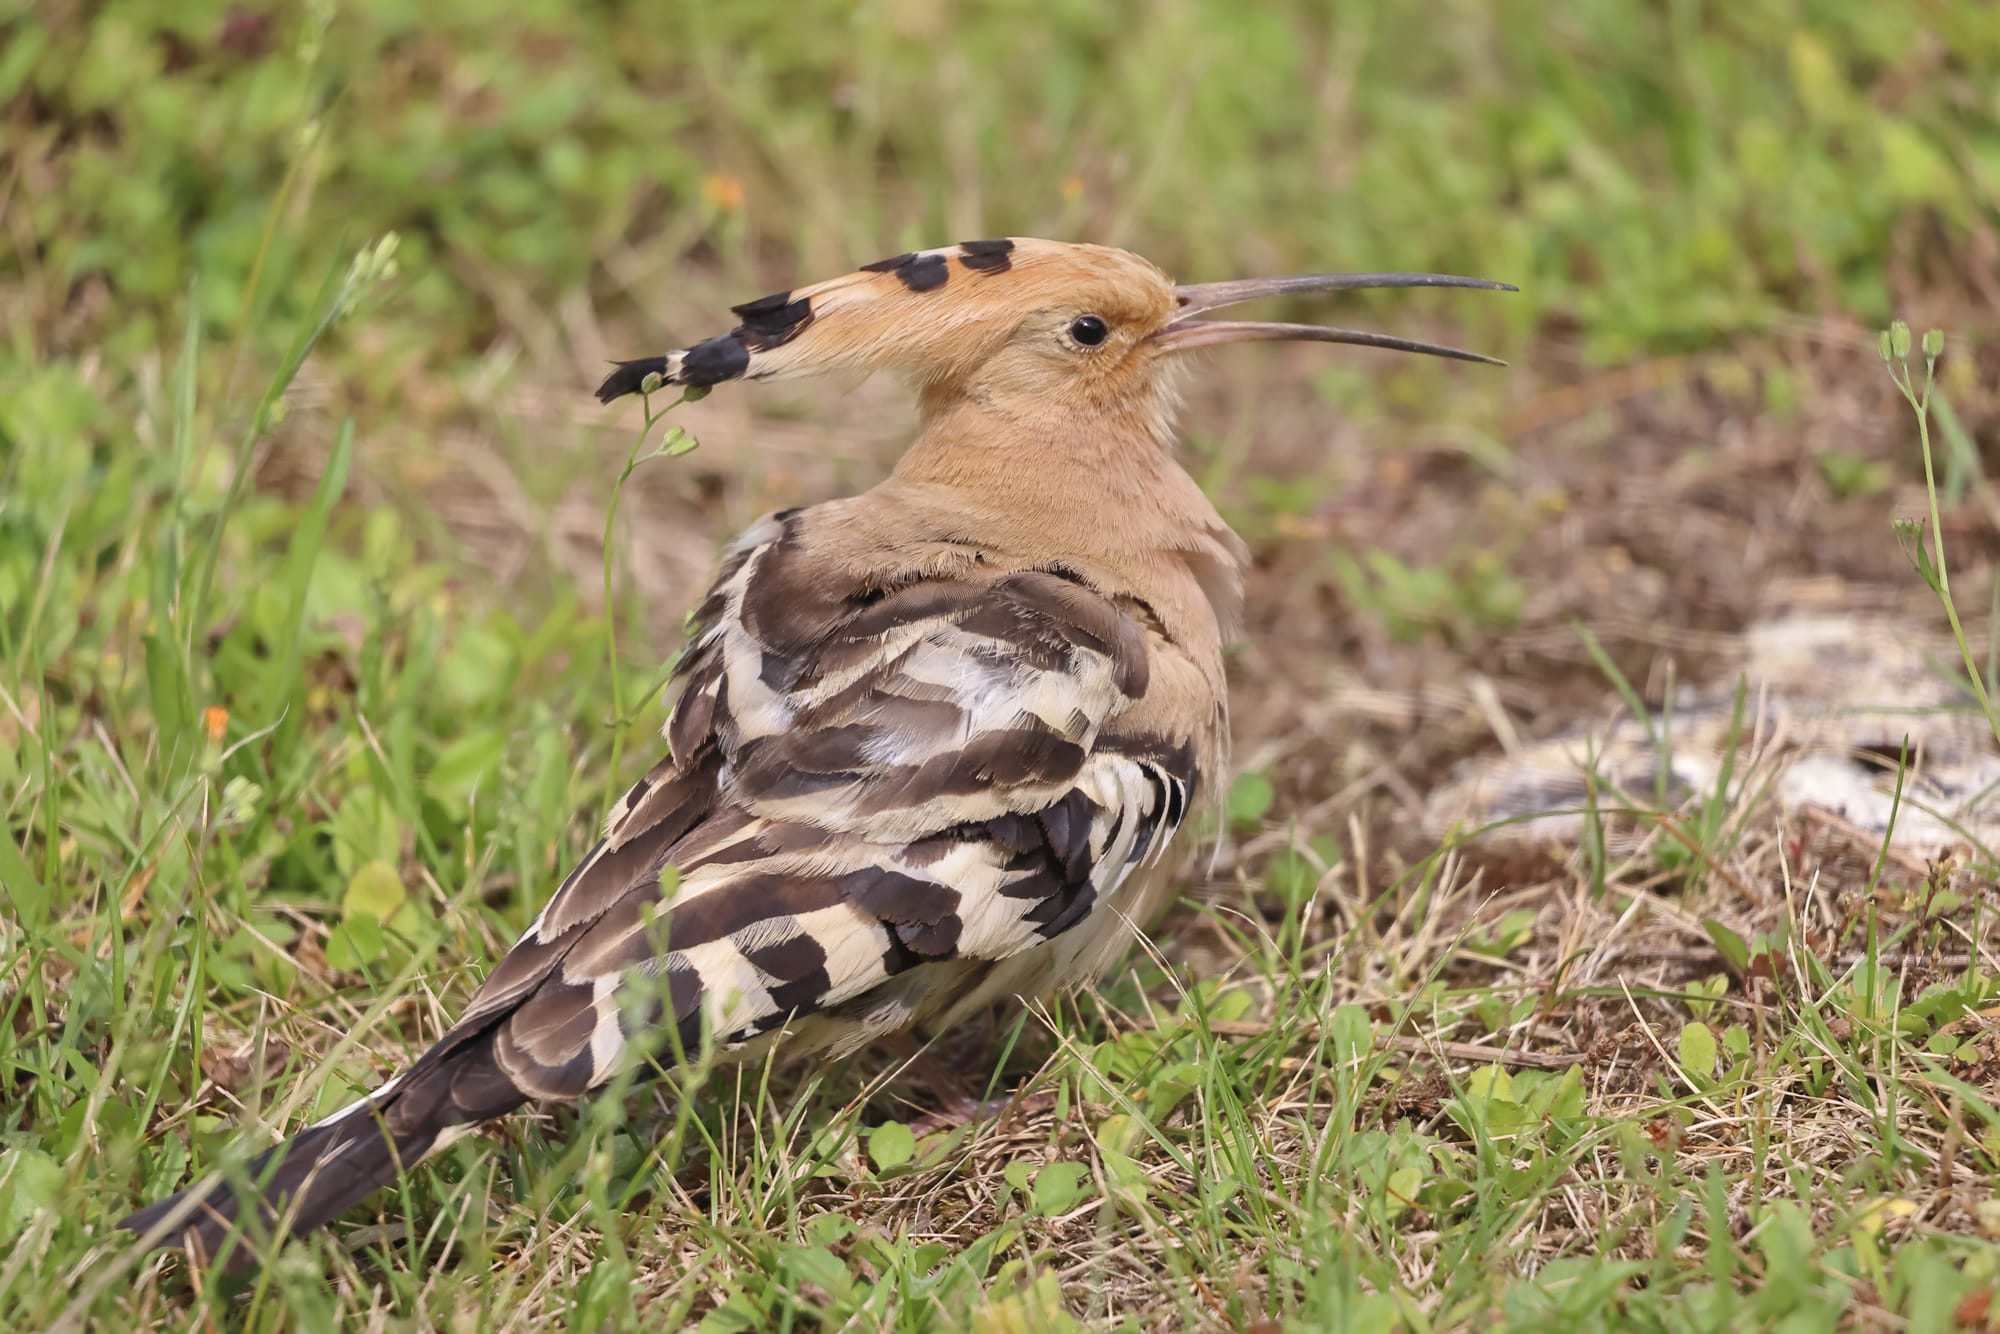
{"x":321,"y":646}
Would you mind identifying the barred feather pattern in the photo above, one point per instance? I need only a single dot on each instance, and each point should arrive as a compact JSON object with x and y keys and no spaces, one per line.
{"x":890,"y":797}
{"x":920,"y":773}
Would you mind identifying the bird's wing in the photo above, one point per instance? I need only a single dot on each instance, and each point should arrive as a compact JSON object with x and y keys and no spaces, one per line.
{"x":865,"y":778}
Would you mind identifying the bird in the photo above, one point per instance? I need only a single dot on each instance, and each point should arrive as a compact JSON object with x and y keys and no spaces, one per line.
{"x":927,"y":746}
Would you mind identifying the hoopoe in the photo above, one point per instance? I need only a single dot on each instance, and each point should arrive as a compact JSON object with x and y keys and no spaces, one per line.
{"x":928,"y":744}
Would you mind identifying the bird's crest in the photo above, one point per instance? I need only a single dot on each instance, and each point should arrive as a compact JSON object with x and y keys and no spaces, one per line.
{"x":926,"y":312}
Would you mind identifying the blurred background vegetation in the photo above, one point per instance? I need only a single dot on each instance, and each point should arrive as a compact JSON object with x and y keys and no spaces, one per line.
{"x":1656,"y":177}
{"x":570,"y":182}
{"x":348,"y":686}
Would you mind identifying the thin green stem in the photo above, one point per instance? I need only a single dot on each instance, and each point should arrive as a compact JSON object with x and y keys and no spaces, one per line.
{"x":633,"y":459}
{"x":1920,"y":404}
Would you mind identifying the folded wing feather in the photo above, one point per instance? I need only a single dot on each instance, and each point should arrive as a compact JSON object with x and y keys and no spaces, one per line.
{"x":915,"y":772}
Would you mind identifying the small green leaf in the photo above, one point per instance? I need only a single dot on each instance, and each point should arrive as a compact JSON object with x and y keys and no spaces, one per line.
{"x":1490,"y":1103}
{"x":1232,"y":1006}
{"x":1352,"y":1033}
{"x":32,"y":1181}
{"x":891,"y":1145}
{"x":1728,"y":944}
{"x":1560,"y":1097}
{"x":828,"y":1228}
{"x":1441,"y":1193}
{"x":364,"y":829}
{"x":1166,"y":1088}
{"x":1697,"y":1051}
{"x":820,"y":1267}
{"x":355,"y":943}
{"x":1400,"y":1191}
{"x":735,"y":1316}
{"x":829,"y":1150}
{"x":169,"y":1165}
{"x":375,"y":890}
{"x":1117,"y":1134}
{"x":1058,"y":1186}
{"x":1249,"y":798}
{"x":1490,"y":1083}
{"x":1125,"y":1173}
{"x":1292,"y":876}
{"x":230,"y":974}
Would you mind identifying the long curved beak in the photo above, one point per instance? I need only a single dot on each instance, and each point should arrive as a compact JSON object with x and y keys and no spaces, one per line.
{"x":1186,"y":331}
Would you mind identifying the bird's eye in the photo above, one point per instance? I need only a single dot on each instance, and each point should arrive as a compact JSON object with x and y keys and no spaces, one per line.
{"x":1089,"y":330}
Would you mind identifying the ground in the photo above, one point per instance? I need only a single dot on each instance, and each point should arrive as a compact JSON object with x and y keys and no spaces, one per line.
{"x":307,"y":691}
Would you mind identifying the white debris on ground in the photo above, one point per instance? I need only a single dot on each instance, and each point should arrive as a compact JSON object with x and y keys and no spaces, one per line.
{"x":1829,"y":703}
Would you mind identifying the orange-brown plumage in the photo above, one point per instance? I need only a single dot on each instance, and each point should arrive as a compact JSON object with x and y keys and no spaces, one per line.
{"x":929,"y":743}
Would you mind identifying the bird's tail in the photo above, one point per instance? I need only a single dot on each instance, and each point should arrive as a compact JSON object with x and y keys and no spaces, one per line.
{"x":328,"y":1168}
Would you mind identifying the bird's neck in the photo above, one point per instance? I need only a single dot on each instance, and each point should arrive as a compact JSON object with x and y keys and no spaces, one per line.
{"x":1098,"y":487}
{"x":1112,"y":462}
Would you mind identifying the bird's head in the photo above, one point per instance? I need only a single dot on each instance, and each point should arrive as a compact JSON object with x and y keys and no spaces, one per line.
{"x":1015,"y":322}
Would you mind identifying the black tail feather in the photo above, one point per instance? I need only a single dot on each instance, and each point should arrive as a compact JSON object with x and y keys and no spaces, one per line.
{"x":300,"y":1185}
{"x":327,"y":1169}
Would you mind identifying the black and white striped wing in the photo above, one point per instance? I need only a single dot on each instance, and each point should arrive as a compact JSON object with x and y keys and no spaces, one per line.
{"x":866,"y":783}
